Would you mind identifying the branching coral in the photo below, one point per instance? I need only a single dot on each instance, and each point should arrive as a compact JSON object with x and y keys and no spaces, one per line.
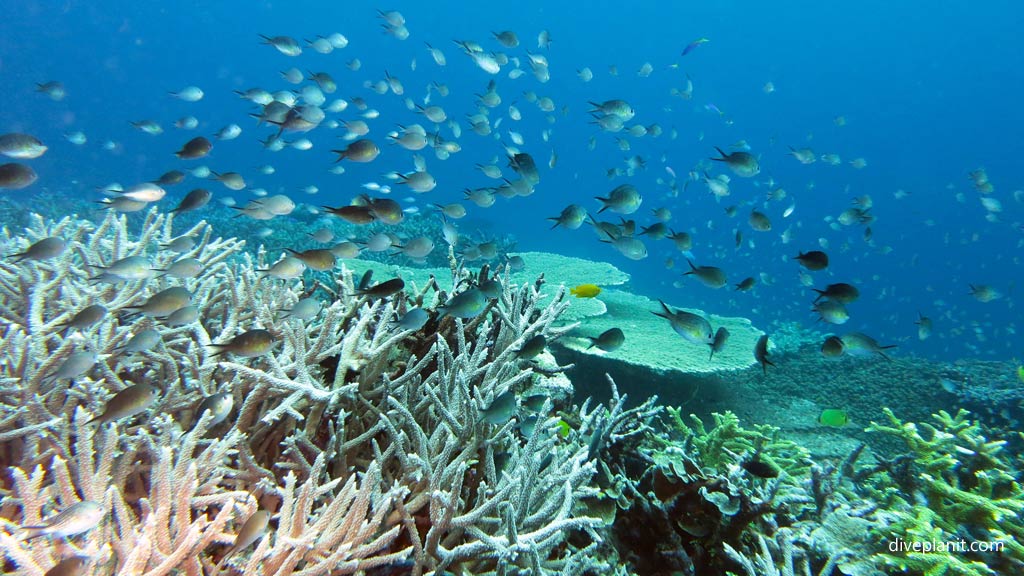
{"x":367,"y":443}
{"x":961,"y":490}
{"x":696,"y":495}
{"x":375,"y":450}
{"x":719,"y":446}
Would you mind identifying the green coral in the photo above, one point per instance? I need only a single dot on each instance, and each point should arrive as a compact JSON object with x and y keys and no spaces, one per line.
{"x":714,"y":447}
{"x":962,"y":480}
{"x":921,"y":525}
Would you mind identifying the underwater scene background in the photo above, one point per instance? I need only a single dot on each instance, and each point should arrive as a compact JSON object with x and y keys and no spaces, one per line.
{"x":543,"y":288}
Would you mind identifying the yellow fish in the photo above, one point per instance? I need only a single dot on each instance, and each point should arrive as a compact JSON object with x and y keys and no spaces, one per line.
{"x":586,"y":291}
{"x":563,"y":428}
{"x":833,"y":417}
{"x":1020,"y":373}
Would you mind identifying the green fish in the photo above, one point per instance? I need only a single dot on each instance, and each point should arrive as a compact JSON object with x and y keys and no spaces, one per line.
{"x":624,"y":199}
{"x":42,"y":250}
{"x":532,"y":347}
{"x":219,"y":405}
{"x":610,"y":340}
{"x":859,"y":344}
{"x":128,"y":402}
{"x":718,"y":342}
{"x":741,"y":163}
{"x":501,"y":410}
{"x":247,"y":344}
{"x":464,"y":305}
{"x":692,"y":327}
{"x":383,"y":289}
{"x":833,"y":417}
{"x":761,"y":353}
{"x":833,"y":347}
{"x":762,"y":468}
{"x":710,"y":276}
{"x":163,"y":303}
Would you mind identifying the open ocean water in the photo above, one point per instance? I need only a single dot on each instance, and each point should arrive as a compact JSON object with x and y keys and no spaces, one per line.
{"x":925,"y":94}
{"x":727,"y":139}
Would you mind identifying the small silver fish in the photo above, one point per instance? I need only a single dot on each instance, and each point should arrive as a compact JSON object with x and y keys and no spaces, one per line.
{"x":42,"y":250}
{"x":219,"y":405}
{"x":128,"y":402}
{"x":75,"y":519}
{"x":70,"y":566}
{"x":254,"y":528}
{"x":247,"y":344}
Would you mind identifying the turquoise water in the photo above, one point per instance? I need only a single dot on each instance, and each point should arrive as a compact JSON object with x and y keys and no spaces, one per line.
{"x":926,"y":94}
{"x":885,"y":136}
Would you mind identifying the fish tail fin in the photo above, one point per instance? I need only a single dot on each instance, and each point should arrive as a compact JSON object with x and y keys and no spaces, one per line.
{"x":883,"y":354}
{"x":668,"y":311}
{"x":31,"y":532}
{"x":218,"y":349}
{"x":724,"y":155}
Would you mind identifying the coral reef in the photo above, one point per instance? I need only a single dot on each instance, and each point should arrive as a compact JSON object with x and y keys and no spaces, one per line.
{"x":705,"y":494}
{"x":723,"y":499}
{"x":371,"y":447}
{"x":339,"y":442}
{"x":653,"y":357}
{"x":952,"y":485}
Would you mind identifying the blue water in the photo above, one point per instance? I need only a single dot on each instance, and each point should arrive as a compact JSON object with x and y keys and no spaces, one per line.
{"x":929,"y":91}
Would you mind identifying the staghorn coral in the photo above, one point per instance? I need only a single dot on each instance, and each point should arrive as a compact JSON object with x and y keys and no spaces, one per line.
{"x":475,"y":511}
{"x":694,"y":496}
{"x":376,"y":450}
{"x":181,"y":508}
{"x":367,"y":443}
{"x":719,"y":446}
{"x":956,"y":486}
{"x":777,"y":557}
